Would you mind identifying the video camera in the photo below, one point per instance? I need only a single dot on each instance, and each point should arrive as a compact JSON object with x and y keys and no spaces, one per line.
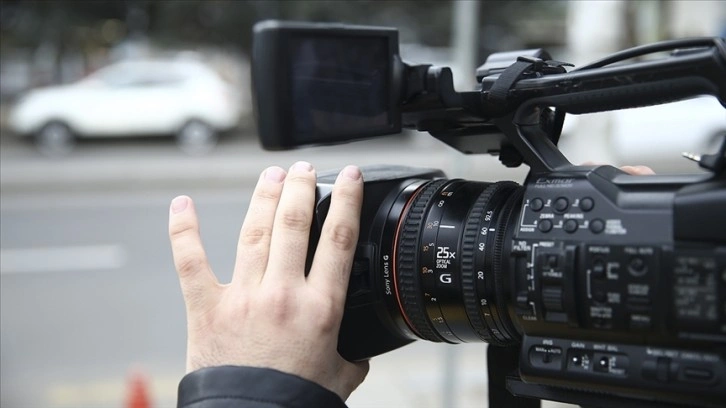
{"x":591,"y":286}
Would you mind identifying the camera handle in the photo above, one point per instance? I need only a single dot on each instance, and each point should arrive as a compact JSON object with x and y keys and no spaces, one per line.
{"x":525,"y":131}
{"x":510,"y":115}
{"x":533,"y":129}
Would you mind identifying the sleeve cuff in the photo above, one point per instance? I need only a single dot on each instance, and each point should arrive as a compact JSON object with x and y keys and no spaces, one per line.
{"x":204,"y":387}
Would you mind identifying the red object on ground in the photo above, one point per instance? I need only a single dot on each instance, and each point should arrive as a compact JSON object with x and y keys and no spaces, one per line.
{"x":138,"y":395}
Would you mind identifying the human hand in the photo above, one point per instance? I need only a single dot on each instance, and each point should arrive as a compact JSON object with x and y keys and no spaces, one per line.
{"x":271,"y":315}
{"x":638,"y":170}
{"x":632,"y":170}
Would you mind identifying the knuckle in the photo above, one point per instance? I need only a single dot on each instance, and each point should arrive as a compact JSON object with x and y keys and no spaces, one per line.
{"x":267,"y":194}
{"x":327,"y":315}
{"x":296,"y":219}
{"x":301,"y":178}
{"x":181,"y":229}
{"x":189,"y":264}
{"x":348,"y":192}
{"x":342,"y":236}
{"x":253,"y":236}
{"x":280,"y":305}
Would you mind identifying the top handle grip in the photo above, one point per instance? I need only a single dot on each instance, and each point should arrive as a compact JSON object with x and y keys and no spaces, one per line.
{"x":689,"y":73}
{"x":699,"y":72}
{"x":634,"y":95}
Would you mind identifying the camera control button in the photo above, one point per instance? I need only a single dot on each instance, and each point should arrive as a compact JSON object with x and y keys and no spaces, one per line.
{"x":637,"y":266}
{"x":561,"y":204}
{"x":536,"y":204}
{"x":570,"y":226}
{"x":544,"y":225}
{"x":598,"y":269}
{"x":597,"y":226}
{"x":587,"y":204}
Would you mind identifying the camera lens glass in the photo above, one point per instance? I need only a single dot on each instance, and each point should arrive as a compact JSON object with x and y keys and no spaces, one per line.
{"x":449,"y":274}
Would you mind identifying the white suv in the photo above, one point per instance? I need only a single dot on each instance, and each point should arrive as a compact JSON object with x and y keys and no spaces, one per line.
{"x":132,"y":98}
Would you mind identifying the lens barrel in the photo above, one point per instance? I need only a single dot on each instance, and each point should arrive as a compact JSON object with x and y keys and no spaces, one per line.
{"x":450,"y":277}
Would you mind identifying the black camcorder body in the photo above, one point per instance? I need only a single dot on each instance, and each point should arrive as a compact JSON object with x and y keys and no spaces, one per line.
{"x":609,"y":287}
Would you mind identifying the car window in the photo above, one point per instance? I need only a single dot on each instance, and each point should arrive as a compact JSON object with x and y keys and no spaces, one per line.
{"x":139,"y":75}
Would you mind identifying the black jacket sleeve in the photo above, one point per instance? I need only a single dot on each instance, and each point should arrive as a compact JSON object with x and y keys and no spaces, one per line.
{"x":252,"y":387}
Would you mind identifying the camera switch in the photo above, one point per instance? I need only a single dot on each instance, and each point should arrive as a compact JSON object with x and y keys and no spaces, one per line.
{"x":662,"y":370}
{"x":598,"y":269}
{"x":552,"y":261}
{"x":552,"y":298}
{"x":523,"y":300}
{"x":548,"y":357}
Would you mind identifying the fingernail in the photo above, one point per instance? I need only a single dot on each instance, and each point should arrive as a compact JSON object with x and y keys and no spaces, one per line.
{"x":302,"y":166}
{"x":351,"y":172}
{"x":275,"y":174}
{"x":179,"y":204}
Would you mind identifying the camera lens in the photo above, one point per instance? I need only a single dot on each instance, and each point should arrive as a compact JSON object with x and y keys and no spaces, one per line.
{"x":450,"y":276}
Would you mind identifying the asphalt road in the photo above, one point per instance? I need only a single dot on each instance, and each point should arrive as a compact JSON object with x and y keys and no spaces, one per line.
{"x":88,"y":293}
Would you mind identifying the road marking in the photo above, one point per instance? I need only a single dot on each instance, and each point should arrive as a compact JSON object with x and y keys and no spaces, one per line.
{"x":62,"y":259}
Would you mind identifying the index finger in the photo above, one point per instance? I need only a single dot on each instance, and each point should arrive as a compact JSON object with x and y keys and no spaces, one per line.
{"x":333,"y":259}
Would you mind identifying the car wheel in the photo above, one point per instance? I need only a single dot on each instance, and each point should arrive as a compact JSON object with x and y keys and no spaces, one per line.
{"x":55,"y":139}
{"x":196,"y":138}
{"x":716,"y":142}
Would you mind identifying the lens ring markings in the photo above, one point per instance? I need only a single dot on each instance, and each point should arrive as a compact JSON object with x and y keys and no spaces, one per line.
{"x":408,"y":285}
{"x":446,"y":272}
